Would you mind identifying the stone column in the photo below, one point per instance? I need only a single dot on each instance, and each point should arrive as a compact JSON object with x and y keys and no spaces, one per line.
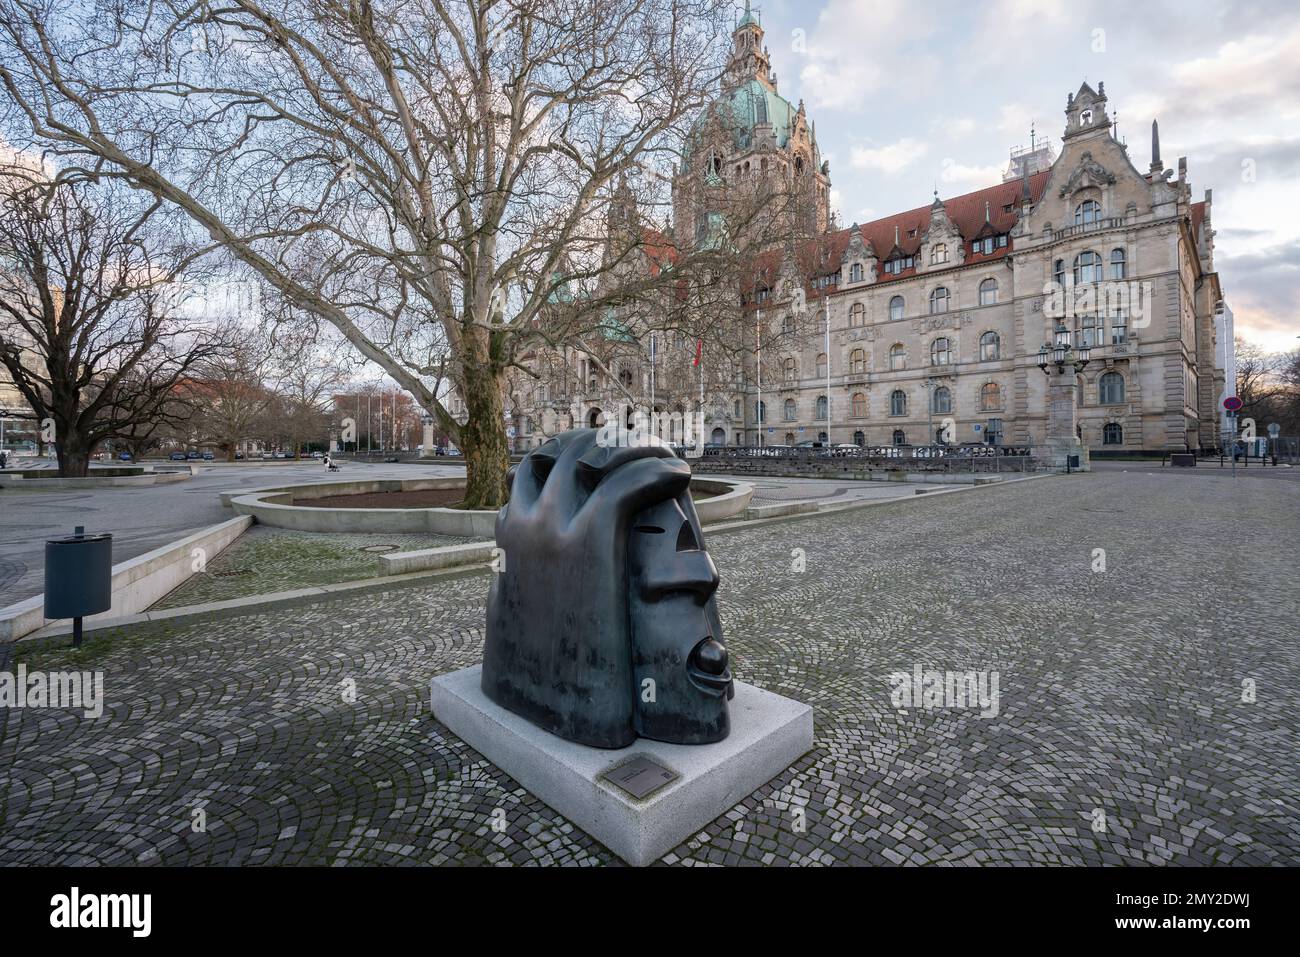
{"x":428,"y":438}
{"x":1062,"y":405}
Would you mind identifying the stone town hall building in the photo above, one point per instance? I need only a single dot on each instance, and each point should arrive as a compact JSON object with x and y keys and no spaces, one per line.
{"x":937,"y":314}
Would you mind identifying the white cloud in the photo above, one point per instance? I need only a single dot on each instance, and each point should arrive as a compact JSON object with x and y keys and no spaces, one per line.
{"x":972,"y":176}
{"x":890,"y":158}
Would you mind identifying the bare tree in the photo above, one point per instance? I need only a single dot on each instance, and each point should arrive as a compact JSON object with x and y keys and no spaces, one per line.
{"x":89,"y":283}
{"x":230,"y":395}
{"x":422,"y":174}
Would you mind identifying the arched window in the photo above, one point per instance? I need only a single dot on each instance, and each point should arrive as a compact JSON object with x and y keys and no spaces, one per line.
{"x":988,"y":292}
{"x":1117,"y":264}
{"x":1058,"y":272}
{"x":821,"y":365}
{"x":990,"y":397}
{"x":859,"y":405}
{"x":1087,"y":267}
{"x":897,"y":357}
{"x":858,"y":315}
{"x":857,"y":361}
{"x":940,"y":352}
{"x":1111,"y":389}
{"x":789,"y":370}
{"x":789,"y":438}
{"x":990,"y":346}
{"x":822,"y":438}
{"x":942,"y":400}
{"x":855,"y":272}
{"x":821,"y":407}
{"x":625,"y":376}
{"x":899,"y":437}
{"x":896,"y":308}
{"x":1089,"y":211}
{"x":791,"y":410}
{"x":898,"y":402}
{"x":939,"y":300}
{"x":1112,"y":434}
{"x":938,"y":254}
{"x":859,"y":438}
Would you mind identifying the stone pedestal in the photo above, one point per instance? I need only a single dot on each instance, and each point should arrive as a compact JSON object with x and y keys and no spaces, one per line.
{"x":1063,"y":449}
{"x":695,"y":783}
{"x":428,"y":449}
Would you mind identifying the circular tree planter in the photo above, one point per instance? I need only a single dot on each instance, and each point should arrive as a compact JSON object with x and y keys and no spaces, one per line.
{"x":289,"y":506}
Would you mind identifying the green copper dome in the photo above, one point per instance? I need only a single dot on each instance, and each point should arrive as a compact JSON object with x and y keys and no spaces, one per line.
{"x":748,"y":105}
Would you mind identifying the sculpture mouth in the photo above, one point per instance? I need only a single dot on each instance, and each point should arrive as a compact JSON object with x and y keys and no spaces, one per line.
{"x":707,"y":668}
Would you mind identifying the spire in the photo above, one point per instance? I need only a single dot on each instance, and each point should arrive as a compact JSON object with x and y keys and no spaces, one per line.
{"x":1156,"y":164}
{"x":1025,"y":198}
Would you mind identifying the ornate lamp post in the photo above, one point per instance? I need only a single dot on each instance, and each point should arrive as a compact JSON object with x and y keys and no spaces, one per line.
{"x":1061,"y":362}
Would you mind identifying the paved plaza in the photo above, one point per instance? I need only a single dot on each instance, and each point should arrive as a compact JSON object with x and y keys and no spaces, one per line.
{"x":1147,"y":712}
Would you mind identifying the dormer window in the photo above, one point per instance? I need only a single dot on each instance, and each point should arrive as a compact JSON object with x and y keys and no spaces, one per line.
{"x":938,"y":254}
{"x":896,"y":266}
{"x":988,"y":244}
{"x":855,"y":272}
{"x":763,"y":294}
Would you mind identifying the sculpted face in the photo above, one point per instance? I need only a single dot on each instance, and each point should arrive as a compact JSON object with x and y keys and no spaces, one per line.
{"x":602,"y":624}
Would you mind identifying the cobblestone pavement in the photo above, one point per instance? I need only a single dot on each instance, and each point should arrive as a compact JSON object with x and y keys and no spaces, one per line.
{"x":1121,"y":734}
{"x":265,"y":560}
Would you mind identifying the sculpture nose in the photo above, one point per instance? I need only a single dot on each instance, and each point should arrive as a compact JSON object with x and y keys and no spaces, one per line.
{"x":692,"y":572}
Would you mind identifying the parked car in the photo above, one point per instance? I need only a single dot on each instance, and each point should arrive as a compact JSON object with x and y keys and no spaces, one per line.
{"x":194,"y":454}
{"x":266,"y":455}
{"x":208,"y":457}
{"x":452,"y":450}
{"x":317,"y":455}
{"x":238,"y":456}
{"x":125,"y":456}
{"x":177,"y":457}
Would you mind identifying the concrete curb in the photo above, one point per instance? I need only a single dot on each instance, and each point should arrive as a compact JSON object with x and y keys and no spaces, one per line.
{"x":137,"y":582}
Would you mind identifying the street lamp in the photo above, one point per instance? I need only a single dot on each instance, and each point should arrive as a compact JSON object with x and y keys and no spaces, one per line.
{"x":1059,"y":352}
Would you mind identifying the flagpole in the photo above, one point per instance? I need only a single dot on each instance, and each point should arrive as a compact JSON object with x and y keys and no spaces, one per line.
{"x":828,"y":369}
{"x":758,"y":352}
{"x":653,"y":352}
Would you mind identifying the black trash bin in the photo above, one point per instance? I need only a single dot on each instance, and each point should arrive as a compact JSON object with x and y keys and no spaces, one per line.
{"x":78,"y":577}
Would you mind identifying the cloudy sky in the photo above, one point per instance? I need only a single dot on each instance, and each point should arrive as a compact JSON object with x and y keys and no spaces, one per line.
{"x":906,"y":96}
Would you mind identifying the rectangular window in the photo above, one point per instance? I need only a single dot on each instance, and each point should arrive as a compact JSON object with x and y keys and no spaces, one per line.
{"x":1119,"y":328}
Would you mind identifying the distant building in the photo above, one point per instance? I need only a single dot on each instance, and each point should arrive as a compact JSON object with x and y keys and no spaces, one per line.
{"x":937,"y":314}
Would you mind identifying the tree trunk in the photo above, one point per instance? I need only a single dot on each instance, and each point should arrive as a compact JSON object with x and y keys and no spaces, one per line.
{"x":483,"y":442}
{"x":74,"y":454}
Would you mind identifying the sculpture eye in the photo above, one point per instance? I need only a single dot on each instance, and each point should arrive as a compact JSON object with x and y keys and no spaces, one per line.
{"x":686,"y":541}
{"x":649,"y":529}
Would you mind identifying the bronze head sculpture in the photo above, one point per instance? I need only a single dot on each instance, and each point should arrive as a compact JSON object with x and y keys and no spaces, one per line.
{"x":602,"y":624}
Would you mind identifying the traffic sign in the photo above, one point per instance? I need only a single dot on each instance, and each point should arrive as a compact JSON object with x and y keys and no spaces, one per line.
{"x":1232,"y":403}
{"x":1274,"y":430}
{"x":978,"y":427}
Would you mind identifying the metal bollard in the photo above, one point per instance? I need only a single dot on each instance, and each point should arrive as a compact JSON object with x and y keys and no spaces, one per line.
{"x":78,"y":577}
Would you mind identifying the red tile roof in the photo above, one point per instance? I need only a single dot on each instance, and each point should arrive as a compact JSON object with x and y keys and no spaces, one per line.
{"x":821,"y":256}
{"x":659,"y":249}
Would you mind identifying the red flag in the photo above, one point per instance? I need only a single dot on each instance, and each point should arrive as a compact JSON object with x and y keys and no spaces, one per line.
{"x":699,"y":350}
